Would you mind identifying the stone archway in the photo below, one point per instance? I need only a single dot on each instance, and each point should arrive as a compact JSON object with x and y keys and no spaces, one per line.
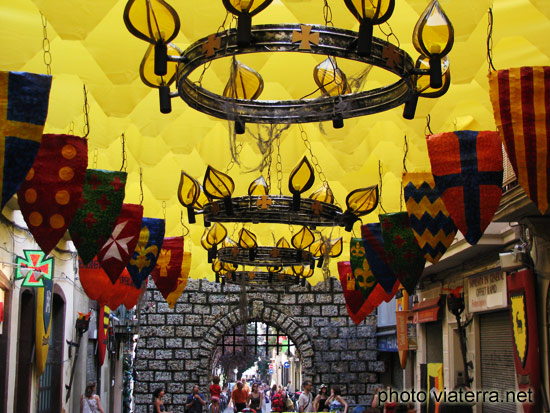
{"x":257,"y":311}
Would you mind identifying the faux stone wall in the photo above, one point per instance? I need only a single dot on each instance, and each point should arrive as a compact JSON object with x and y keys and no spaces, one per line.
{"x":176,"y":346}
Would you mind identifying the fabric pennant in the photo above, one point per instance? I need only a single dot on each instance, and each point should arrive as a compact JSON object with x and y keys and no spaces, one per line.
{"x":521,"y":104}
{"x":52,"y":191}
{"x":432,"y":226}
{"x":102,"y":333}
{"x":98,"y":286}
{"x":145,"y":255}
{"x":172,"y":269}
{"x":376,"y":256}
{"x":363,"y":277}
{"x":43,"y":325}
{"x":95,"y":220}
{"x":358,"y":307}
{"x":467,"y":169}
{"x":404,"y":255}
{"x":115,"y":254}
{"x":24,"y":99}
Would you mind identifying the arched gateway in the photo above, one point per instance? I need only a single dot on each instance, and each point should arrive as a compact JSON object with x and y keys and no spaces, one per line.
{"x":176,"y":346}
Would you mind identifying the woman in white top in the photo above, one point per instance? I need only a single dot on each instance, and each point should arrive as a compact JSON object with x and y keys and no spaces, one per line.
{"x":89,"y":402}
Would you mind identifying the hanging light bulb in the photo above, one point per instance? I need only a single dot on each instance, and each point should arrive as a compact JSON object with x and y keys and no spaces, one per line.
{"x":218,"y":185}
{"x":244,"y":83}
{"x":433,"y":36}
{"x":300,"y":180}
{"x":156,"y":22}
{"x":258,"y":187}
{"x":244,"y":10}
{"x":360,"y":202}
{"x":369,"y":13}
{"x":188,"y":193}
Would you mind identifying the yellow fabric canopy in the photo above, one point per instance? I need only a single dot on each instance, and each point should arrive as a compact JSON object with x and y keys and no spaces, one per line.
{"x":90,"y":44}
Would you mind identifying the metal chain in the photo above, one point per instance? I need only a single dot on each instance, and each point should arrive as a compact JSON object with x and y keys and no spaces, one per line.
{"x":123,"y":141}
{"x":231,"y":164}
{"x":94,"y":162}
{"x":390,"y":34}
{"x":327,"y":14}
{"x":380,"y":187}
{"x":86,"y":128}
{"x":490,"y":40}
{"x":164,"y":210}
{"x":428,"y":128}
{"x":141,"y":186}
{"x":314,"y":159}
{"x":207,"y":65}
{"x":71,"y":128}
{"x":269,"y":162}
{"x":46,"y":45}
{"x":279,"y":166}
{"x":405,"y":152}
{"x":184,"y":229}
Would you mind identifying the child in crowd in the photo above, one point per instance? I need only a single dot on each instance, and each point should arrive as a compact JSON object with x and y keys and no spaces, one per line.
{"x":215,"y":393}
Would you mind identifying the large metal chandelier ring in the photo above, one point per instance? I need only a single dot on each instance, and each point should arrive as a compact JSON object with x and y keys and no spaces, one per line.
{"x":266,"y":256}
{"x":279,"y":38}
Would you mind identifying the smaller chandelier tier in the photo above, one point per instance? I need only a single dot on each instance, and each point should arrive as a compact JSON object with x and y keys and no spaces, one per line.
{"x":275,"y":209}
{"x":265,"y":257}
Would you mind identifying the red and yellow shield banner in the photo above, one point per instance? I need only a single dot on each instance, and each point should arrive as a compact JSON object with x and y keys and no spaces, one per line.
{"x":523,"y":312}
{"x":467,"y":168}
{"x":117,"y":251}
{"x":172,"y":269}
{"x":52,"y":191}
{"x":358,"y":307}
{"x":521,"y":104}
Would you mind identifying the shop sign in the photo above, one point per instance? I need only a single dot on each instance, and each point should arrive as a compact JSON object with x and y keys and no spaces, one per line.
{"x":411,"y":335}
{"x":487,"y":292}
{"x":387,"y":343}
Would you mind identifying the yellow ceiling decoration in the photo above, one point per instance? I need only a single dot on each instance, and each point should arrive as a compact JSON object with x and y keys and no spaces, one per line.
{"x":90,"y":44}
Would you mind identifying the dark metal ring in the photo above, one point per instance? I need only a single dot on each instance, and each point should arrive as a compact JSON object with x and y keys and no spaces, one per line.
{"x":265,"y":257}
{"x":278,"y":38}
{"x":278,"y":210}
{"x":261,"y":279}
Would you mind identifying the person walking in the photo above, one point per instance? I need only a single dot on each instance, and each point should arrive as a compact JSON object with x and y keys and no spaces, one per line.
{"x":195,"y":401}
{"x":255,"y":398}
{"x":305,"y":401}
{"x":158,"y":404}
{"x":278,"y":401}
{"x":335,"y":402}
{"x":89,"y":402}
{"x":320,"y":400}
{"x":239,"y":397}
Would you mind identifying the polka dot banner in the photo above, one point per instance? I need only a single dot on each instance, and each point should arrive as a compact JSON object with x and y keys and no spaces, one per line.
{"x":52,"y":191}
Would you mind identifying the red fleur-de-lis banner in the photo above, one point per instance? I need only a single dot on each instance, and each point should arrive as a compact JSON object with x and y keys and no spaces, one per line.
{"x":467,"y":169}
{"x":52,"y":191}
{"x":521,"y":104}
{"x":95,"y":220}
{"x":172,"y":269}
{"x":116,"y":252}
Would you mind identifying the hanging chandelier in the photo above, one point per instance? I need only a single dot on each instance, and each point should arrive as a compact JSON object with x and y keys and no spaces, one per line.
{"x":283,"y":263}
{"x":164,"y":64}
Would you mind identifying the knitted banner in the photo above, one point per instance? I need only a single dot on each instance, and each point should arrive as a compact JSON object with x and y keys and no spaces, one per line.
{"x":404,"y":256}
{"x":376,"y":256}
{"x":521,"y":104}
{"x":24,"y":99}
{"x":52,"y":191}
{"x":358,"y":307}
{"x":172,"y":269}
{"x":95,"y":220}
{"x":43,"y":324}
{"x":467,"y":169}
{"x":363,"y":280}
{"x":145,"y":255}
{"x":115,"y":254}
{"x":431,"y":224}
{"x":98,"y":286}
